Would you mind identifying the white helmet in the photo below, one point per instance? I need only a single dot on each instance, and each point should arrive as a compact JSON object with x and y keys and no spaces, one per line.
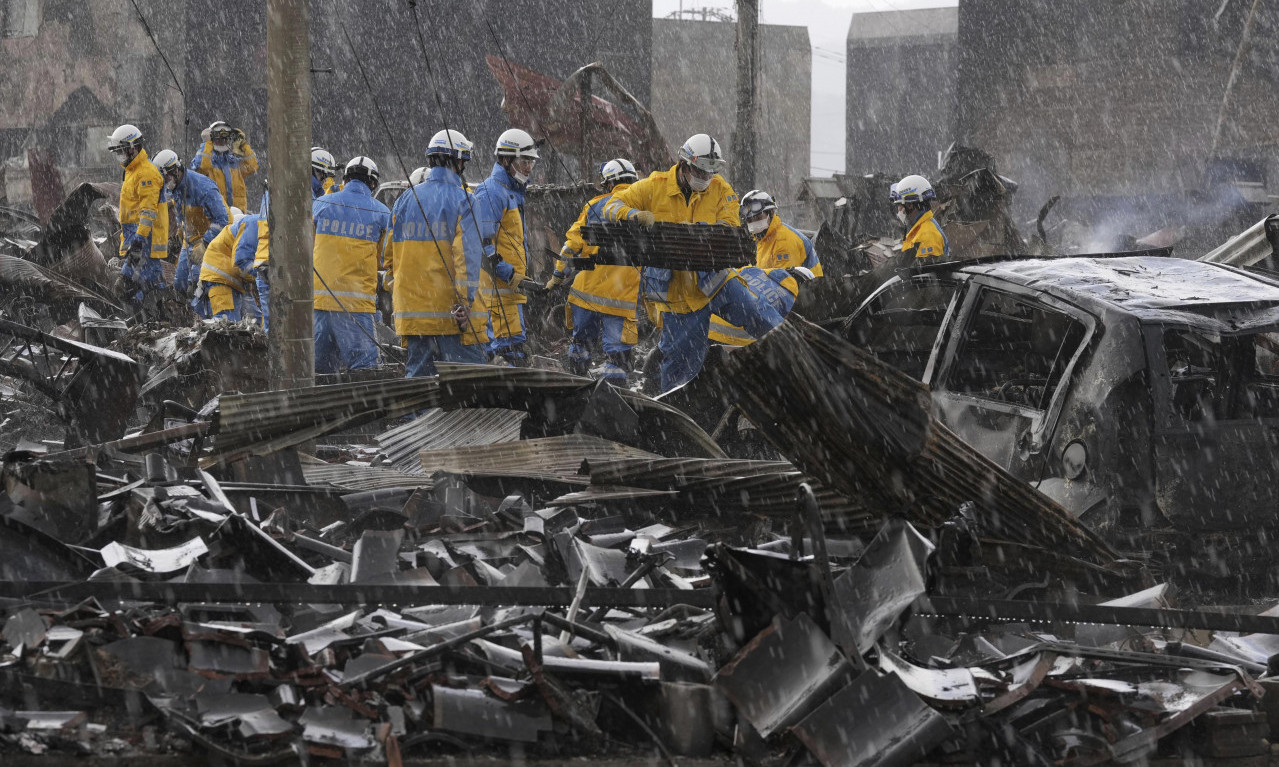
{"x":516,"y":143}
{"x":362,"y":169}
{"x":166,"y":160}
{"x":450,"y":143}
{"x":702,"y":152}
{"x":236,"y":214}
{"x":322,"y":160}
{"x":912,"y":189}
{"x":124,"y":137}
{"x":220,"y":130}
{"x":417,"y":176}
{"x":617,"y":171}
{"x":755,"y":202}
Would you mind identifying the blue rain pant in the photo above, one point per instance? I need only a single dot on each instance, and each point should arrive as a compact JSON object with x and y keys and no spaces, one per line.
{"x":340,"y":341}
{"x":425,"y":351}
{"x":204,"y":308}
{"x":590,"y":326}
{"x":684,"y":341}
{"x":264,"y":298}
{"x":502,"y":346}
{"x":751,"y":312}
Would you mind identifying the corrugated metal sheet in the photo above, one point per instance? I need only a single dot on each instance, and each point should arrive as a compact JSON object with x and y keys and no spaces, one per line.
{"x":356,"y":478}
{"x":555,"y":458}
{"x":758,"y":487}
{"x":261,"y":423}
{"x":439,"y":429}
{"x":526,"y":389}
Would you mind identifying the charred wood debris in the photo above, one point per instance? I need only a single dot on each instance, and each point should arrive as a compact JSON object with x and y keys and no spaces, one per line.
{"x":523,"y":564}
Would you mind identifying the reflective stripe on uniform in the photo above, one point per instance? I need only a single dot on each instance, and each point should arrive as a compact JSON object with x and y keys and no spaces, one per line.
{"x":423,"y":315}
{"x":501,"y":292}
{"x":237,"y":280}
{"x":612,"y":303}
{"x":345,"y":294}
{"x":730,"y":331}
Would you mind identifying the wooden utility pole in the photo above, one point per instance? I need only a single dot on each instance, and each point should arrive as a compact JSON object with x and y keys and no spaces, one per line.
{"x":291,"y":341}
{"x":743,"y":159}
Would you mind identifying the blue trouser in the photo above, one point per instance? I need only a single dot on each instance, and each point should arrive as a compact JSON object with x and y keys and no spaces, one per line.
{"x":340,"y":340}
{"x":499,"y":345}
{"x":751,"y":312}
{"x":684,"y":341}
{"x":264,"y":297}
{"x":589,"y":325}
{"x":147,"y":275}
{"x":425,"y":351}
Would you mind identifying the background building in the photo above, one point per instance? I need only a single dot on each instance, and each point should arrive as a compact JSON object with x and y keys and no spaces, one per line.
{"x":901,"y":90}
{"x":694,"y":90}
{"x":1114,"y":105}
{"x":74,"y":69}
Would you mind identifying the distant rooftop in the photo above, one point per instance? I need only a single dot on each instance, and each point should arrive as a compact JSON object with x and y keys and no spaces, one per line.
{"x":887,"y":27}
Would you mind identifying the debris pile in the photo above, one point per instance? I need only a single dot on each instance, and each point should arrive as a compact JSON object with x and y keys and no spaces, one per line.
{"x":530,"y":565}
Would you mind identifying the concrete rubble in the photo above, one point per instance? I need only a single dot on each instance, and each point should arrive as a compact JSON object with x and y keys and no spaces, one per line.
{"x":518,"y":563}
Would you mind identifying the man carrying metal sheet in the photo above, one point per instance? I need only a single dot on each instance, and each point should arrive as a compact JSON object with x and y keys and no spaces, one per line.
{"x":691,"y":192}
{"x":601,"y":302}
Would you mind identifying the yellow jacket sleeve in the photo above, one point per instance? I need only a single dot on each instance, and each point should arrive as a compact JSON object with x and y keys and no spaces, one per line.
{"x":148,"y":207}
{"x":249,"y":165}
{"x":624,"y":204}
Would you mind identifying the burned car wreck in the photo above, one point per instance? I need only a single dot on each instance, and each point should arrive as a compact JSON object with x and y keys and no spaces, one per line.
{"x":1138,"y":392}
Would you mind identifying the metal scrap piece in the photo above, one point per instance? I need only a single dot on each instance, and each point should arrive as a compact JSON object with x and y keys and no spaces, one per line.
{"x":876,"y":721}
{"x":872,"y":594}
{"x":472,"y":712}
{"x":783,"y":674}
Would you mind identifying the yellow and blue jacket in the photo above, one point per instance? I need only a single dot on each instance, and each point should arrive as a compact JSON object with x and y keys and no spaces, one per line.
{"x":351,"y":233}
{"x":140,"y":206}
{"x":434,"y":259}
{"x":605,"y":289}
{"x":669,"y":290}
{"x":499,"y":209}
{"x":926,"y":238}
{"x":219,"y":259}
{"x":781,"y":248}
{"x":228,"y":170}
{"x":200,"y":207}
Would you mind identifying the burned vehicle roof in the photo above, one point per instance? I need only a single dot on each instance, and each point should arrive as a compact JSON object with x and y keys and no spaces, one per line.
{"x":1156,"y":289}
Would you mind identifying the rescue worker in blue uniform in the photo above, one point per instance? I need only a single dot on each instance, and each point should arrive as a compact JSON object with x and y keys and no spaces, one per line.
{"x":144,"y":235}
{"x":602,"y":301}
{"x":351,"y":233}
{"x":499,"y":208}
{"x":323,"y":169}
{"x":691,"y":192}
{"x":201,"y":214}
{"x":434,"y":262}
{"x":223,"y":288}
{"x":912,"y":197}
{"x":227,"y":158}
{"x":252,"y":253}
{"x":784,"y":259}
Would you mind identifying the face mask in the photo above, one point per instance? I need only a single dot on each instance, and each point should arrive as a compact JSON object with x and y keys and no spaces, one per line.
{"x":901,"y":216}
{"x":170,"y":184}
{"x":221,"y":146}
{"x":698,"y":184}
{"x":757,"y":227}
{"x":520,"y":178}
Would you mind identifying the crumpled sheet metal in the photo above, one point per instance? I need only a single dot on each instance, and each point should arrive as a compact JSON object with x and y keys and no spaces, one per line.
{"x":783,"y":674}
{"x":872,"y":594}
{"x":876,"y":721}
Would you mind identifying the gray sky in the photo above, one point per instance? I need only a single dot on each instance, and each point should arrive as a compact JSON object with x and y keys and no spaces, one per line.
{"x":827,"y":22}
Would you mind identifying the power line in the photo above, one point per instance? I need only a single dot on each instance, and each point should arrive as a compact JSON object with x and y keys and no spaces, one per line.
{"x":186,"y":119}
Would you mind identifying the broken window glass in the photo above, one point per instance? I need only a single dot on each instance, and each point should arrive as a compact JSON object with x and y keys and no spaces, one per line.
{"x":1215,"y":377}
{"x":1014,"y":350}
{"x":900,"y":325}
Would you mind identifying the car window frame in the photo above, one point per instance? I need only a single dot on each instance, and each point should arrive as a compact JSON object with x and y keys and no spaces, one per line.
{"x":1042,"y":421}
{"x":930,"y":279}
